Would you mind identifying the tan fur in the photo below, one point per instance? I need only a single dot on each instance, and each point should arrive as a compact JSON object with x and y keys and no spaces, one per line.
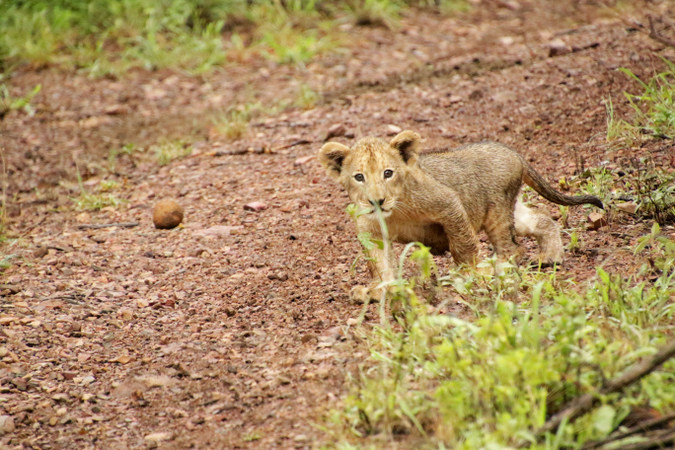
{"x":443,"y":198}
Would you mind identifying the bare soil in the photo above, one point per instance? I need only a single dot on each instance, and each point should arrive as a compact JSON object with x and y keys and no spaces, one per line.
{"x":231,"y":331}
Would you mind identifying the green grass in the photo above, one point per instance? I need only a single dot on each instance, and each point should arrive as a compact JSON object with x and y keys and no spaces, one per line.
{"x":9,"y":103}
{"x":307,"y":98}
{"x":88,"y":201}
{"x":649,"y":186}
{"x":114,"y":155}
{"x":375,"y":12}
{"x":289,"y":45}
{"x":535,"y":342}
{"x":6,"y":262}
{"x":109,"y":37}
{"x":653,"y":108}
{"x":233,"y":124}
{"x":166,"y":152}
{"x":99,"y":199}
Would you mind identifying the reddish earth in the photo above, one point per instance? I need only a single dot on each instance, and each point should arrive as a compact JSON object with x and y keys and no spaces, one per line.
{"x":231,"y":332}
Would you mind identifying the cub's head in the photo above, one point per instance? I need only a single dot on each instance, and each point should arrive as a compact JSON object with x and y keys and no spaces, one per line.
{"x":373,"y":171}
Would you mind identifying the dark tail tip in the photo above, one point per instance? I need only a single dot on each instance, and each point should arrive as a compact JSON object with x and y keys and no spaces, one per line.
{"x":587,"y":200}
{"x":596,"y":202}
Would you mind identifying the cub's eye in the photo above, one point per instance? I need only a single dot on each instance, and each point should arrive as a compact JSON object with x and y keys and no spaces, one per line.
{"x":359,"y":177}
{"x":388,"y":173}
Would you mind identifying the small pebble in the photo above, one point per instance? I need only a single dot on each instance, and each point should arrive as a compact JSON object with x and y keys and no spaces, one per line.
{"x":255,"y":206}
{"x":392,"y":130}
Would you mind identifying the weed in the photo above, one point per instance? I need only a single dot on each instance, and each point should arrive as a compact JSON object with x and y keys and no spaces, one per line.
{"x":94,"y":201}
{"x":168,"y":151}
{"x":234,"y":123}
{"x":655,"y":191}
{"x":251,"y":437}
{"x":653,"y":109}
{"x":600,"y":183}
{"x":9,"y":103}
{"x":6,"y":261}
{"x":115,"y":153}
{"x":383,"y":13}
{"x":450,"y":6}
{"x":618,"y":128}
{"x":651,"y":187}
{"x":307,"y":98}
{"x":88,"y":201}
{"x":660,"y":249}
{"x":564,"y":215}
{"x":108,"y":185}
{"x":574,"y":246}
{"x":289,"y":45}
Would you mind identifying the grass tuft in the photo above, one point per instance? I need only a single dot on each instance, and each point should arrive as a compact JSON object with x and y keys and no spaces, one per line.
{"x":101,"y":198}
{"x":234,"y":123}
{"x":109,"y":37}
{"x":649,"y":186}
{"x":168,"y":151}
{"x":434,"y":380}
{"x":653,"y":109}
{"x":307,"y":98}
{"x":9,"y":103}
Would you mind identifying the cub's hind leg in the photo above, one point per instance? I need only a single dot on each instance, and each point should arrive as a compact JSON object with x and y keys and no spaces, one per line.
{"x":499,"y":227}
{"x":540,"y":226}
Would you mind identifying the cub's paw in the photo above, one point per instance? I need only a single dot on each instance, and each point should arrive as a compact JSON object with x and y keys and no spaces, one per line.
{"x":547,"y":261}
{"x":363,"y":294}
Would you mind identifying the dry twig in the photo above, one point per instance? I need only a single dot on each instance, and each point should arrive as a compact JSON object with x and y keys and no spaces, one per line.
{"x":581,"y":405}
{"x":640,"y":428}
{"x":96,"y":226}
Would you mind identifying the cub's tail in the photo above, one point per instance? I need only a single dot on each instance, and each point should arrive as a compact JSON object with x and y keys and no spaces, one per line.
{"x":536,"y":182}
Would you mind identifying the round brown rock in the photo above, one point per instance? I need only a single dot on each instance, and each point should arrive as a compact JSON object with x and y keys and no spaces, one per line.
{"x":167,"y":214}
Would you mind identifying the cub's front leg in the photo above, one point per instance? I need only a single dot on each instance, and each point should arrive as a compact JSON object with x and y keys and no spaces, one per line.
{"x":462,"y":238}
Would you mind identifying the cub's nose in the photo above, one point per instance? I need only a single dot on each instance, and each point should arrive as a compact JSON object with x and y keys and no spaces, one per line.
{"x":377,"y":203}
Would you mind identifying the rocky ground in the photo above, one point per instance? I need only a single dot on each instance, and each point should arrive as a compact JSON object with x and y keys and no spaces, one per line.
{"x":233,"y":330}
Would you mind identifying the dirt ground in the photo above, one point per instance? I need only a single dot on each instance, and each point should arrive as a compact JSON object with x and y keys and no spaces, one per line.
{"x":231,"y":332}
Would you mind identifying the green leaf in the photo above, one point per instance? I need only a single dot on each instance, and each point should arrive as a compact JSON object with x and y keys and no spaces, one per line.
{"x":603,"y":419}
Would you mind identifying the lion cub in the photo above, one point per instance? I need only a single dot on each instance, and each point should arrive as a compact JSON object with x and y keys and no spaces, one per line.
{"x":443,"y":198}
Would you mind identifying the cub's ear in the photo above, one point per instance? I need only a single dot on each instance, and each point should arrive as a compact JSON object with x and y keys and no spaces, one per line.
{"x":331,"y":155}
{"x":407,"y":143}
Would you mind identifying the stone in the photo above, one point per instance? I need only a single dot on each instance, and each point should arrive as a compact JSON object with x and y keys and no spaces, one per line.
{"x":558,"y":47}
{"x":6,"y":424}
{"x":628,"y":207}
{"x":255,"y":206}
{"x":392,"y":130}
{"x":167,"y":214}
{"x":596,"y":221}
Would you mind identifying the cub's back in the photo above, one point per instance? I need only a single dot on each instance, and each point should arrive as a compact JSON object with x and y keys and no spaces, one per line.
{"x":483,"y":169}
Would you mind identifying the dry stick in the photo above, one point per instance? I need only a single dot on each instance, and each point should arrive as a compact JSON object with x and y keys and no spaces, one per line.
{"x":659,"y":440}
{"x":646,"y":426}
{"x":656,"y":36}
{"x":258,"y":150}
{"x":583,"y":404}
{"x":239,"y":151}
{"x":108,"y":225}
